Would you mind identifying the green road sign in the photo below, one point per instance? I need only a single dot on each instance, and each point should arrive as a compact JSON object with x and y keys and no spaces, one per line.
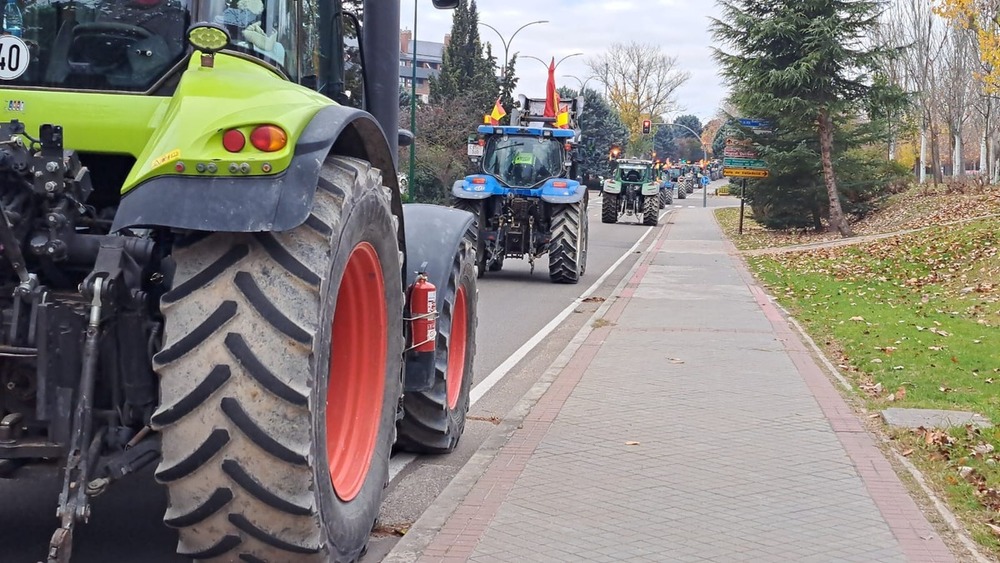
{"x":744,"y":163}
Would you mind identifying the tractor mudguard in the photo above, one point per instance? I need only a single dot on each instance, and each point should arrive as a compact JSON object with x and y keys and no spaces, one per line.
{"x":559,"y":190}
{"x":650,"y":189}
{"x":611,"y":187}
{"x":433,"y":237}
{"x":467,"y":189}
{"x":277,"y":202}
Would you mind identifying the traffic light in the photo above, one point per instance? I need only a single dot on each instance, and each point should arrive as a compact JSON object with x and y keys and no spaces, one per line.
{"x":646,"y":126}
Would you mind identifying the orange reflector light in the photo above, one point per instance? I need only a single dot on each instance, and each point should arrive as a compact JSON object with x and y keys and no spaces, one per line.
{"x":569,"y":147}
{"x":559,"y":184}
{"x":482,"y":142}
{"x":233,"y":140}
{"x":268,"y":138}
{"x":479,"y":180}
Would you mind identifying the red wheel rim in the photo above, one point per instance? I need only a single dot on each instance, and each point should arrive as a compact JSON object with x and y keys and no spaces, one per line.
{"x":456,"y":349}
{"x":358,"y":344}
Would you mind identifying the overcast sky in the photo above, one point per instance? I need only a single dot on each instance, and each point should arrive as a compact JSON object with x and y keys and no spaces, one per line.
{"x":679,"y":27}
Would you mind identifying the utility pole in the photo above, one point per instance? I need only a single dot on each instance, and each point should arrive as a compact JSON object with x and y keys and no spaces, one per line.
{"x":413,"y":107}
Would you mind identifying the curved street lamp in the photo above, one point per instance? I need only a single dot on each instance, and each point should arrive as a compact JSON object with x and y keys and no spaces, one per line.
{"x":506,"y":42}
{"x":557,"y":64}
{"x":583,"y":83}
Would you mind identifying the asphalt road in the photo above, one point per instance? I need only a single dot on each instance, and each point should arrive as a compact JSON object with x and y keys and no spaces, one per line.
{"x":514,"y":305}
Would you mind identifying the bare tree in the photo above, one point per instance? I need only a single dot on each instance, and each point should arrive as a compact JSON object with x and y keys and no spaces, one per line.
{"x":640,"y":81}
{"x":912,"y":25}
{"x":958,"y":62}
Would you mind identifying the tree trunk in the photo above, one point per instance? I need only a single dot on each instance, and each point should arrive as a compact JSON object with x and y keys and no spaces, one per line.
{"x":957,"y":159}
{"x":984,"y":157}
{"x":837,"y":220}
{"x":922,"y":172}
{"x":936,"y":154}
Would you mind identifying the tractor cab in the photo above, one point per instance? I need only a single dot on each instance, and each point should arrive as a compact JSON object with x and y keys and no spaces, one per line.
{"x":525,"y":157}
{"x":140,"y":45}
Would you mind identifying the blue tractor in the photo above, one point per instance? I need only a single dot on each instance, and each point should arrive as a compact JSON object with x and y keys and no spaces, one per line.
{"x":527,"y":197}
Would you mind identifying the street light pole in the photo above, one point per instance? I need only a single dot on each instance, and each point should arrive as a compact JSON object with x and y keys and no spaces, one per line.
{"x":506,"y":42}
{"x":583,"y":83}
{"x":506,"y":49}
{"x":557,"y":64}
{"x":413,"y":108}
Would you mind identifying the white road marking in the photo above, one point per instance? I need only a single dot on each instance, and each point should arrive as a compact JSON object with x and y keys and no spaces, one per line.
{"x":400,"y":461}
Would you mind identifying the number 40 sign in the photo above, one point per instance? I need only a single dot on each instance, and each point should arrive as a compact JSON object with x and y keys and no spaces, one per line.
{"x":13,"y":57}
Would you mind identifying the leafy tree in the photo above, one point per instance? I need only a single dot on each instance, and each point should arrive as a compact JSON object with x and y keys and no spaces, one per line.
{"x":600,"y":127}
{"x":806,"y":65}
{"x":665,"y":142}
{"x":466,"y":71}
{"x":641,"y":81}
{"x":691,"y":122}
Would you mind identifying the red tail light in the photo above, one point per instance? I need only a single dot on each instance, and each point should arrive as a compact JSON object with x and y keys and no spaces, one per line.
{"x":268,"y":138}
{"x":233,"y":140}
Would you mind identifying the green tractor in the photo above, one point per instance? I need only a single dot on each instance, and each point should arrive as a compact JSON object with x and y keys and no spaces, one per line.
{"x":632,"y":190}
{"x":205,"y":264}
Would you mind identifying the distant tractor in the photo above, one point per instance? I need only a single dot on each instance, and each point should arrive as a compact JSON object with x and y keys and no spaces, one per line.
{"x":527,"y":198}
{"x":632,"y":191}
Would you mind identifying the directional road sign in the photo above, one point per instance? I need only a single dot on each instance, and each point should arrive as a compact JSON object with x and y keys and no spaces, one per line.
{"x":739,"y":152}
{"x":750,"y":123}
{"x":743,"y":163}
{"x":744,"y":173}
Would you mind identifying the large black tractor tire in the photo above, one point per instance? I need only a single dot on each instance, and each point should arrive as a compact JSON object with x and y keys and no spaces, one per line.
{"x":668,"y":196}
{"x":433,"y":420}
{"x":280,"y":377}
{"x":568,"y":245}
{"x":478,"y":209}
{"x":609,"y":208}
{"x":663,"y":198}
{"x":681,"y":191}
{"x":650,"y":210}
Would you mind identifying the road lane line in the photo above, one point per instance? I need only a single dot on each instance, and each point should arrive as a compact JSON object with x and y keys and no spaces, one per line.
{"x":399,"y":462}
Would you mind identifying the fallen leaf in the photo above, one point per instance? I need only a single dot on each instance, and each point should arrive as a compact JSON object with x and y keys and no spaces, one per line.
{"x":994,"y":528}
{"x":876,"y":361}
{"x":897,"y":368}
{"x":874,"y":415}
{"x":907,"y":452}
{"x":900,"y":393}
{"x":860,"y":319}
{"x":676,"y":360}
{"x":631,"y":443}
{"x":594,"y":300}
{"x":935,"y":348}
{"x":944,"y":389}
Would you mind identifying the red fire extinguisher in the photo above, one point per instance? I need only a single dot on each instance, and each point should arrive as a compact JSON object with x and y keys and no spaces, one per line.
{"x":423,"y":314}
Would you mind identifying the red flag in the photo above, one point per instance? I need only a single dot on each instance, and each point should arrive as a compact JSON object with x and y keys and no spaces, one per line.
{"x":551,"y":92}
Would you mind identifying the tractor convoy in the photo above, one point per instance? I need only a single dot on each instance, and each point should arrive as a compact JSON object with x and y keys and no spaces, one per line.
{"x":633,"y":190}
{"x":526,"y":195}
{"x":206,"y":265}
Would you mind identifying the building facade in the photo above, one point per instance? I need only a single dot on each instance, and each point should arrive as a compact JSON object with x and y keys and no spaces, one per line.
{"x":430,"y":55}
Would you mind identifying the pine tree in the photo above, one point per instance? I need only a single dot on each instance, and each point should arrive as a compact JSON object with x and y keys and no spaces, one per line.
{"x":466,"y":70}
{"x":803,"y":63}
{"x":600,"y":128}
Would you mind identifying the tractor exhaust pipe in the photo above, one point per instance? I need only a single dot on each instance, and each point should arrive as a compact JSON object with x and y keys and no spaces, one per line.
{"x":381,"y":46}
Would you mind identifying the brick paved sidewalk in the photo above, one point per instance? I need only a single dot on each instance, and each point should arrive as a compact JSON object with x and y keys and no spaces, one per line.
{"x":694,"y":427}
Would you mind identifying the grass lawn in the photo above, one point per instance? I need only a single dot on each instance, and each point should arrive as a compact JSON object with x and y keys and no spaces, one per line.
{"x":914,"y":321}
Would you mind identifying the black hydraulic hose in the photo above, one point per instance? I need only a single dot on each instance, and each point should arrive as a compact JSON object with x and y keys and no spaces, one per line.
{"x":361,"y":54}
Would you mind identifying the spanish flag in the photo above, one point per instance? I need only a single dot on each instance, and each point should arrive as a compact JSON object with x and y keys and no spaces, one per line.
{"x":562,"y":118}
{"x":494,"y":117}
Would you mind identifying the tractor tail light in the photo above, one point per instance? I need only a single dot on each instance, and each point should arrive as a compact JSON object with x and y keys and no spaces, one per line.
{"x":479,"y":180}
{"x":268,"y":138}
{"x":233,"y":140}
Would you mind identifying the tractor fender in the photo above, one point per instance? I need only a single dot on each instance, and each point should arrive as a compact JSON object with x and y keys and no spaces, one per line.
{"x":464,"y":189}
{"x":277,"y":202}
{"x":650,"y":189}
{"x":434,"y":235}
{"x":611,"y":187}
{"x":571,"y":192}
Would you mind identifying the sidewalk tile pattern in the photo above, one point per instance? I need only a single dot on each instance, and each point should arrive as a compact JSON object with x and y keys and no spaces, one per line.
{"x":689,"y":433}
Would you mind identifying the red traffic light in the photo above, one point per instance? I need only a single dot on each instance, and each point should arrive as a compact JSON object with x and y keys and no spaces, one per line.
{"x":646,"y":126}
